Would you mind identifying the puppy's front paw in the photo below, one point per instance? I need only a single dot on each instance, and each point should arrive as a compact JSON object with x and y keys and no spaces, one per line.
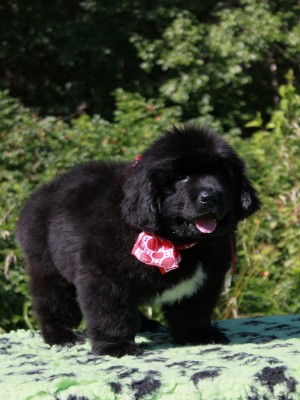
{"x":213,"y":335}
{"x":207,"y":335}
{"x":117,"y":348}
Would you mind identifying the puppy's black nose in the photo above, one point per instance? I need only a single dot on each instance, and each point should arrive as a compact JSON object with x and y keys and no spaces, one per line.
{"x":208,"y":198}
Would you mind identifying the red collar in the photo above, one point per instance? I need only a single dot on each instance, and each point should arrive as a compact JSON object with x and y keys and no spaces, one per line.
{"x":232,"y":252}
{"x":135,"y":163}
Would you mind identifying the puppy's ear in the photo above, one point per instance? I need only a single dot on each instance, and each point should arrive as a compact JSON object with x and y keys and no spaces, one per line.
{"x":140,"y":203}
{"x":248,"y":201}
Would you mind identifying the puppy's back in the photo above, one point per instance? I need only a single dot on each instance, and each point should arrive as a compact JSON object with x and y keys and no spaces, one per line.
{"x":74,"y":192}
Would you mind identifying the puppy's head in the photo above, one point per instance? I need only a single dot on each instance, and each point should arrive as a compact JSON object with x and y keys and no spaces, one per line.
{"x":189,"y":184}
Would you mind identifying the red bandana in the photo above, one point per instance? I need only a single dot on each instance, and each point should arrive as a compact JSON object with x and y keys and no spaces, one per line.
{"x":157,"y":251}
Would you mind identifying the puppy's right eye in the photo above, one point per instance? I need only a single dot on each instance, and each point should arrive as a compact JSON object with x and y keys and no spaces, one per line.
{"x":182,"y":178}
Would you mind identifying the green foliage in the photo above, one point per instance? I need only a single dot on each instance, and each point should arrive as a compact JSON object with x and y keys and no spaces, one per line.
{"x":68,"y":56}
{"x":220,"y":69}
{"x":217,"y":60}
{"x":269,"y":251}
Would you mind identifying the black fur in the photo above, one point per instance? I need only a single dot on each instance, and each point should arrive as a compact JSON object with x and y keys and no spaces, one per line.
{"x":77,"y":234}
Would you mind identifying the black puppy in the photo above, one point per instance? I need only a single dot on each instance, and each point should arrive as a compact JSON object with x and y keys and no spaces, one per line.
{"x":109,"y":236}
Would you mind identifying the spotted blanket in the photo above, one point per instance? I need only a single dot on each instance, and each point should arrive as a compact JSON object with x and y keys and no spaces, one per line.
{"x":262,"y":362}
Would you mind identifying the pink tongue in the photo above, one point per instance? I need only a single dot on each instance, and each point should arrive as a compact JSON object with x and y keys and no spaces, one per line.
{"x":206,"y":224}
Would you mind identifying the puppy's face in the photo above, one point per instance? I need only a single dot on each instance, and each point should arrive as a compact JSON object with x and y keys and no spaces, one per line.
{"x":189,"y":185}
{"x":198,"y":205}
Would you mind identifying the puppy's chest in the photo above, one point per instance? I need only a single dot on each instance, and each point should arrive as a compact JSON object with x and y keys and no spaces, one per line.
{"x":184,"y":289}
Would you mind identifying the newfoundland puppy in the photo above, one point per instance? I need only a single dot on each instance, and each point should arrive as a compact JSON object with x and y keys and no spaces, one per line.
{"x":107,"y":237}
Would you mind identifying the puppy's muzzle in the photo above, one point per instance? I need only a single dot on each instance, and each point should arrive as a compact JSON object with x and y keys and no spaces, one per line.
{"x":211,"y":201}
{"x":208,"y":198}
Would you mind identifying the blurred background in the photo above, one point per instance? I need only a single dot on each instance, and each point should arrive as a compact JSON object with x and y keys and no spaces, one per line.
{"x":82,"y":80}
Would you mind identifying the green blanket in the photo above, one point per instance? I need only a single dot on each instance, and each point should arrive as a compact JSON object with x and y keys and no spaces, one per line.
{"x":261,"y":362}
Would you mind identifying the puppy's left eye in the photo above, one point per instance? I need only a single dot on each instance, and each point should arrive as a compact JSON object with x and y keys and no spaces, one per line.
{"x":182,"y":178}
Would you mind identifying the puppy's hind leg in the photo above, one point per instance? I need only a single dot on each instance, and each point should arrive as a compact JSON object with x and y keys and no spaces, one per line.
{"x":55,"y":306}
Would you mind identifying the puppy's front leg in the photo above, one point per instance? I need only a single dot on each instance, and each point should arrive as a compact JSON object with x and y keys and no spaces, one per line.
{"x":111,"y":316}
{"x":190,"y":320}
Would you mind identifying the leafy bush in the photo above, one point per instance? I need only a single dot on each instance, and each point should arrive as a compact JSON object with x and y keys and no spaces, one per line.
{"x":217,"y":60}
{"x":269,"y":251}
{"x":219,"y":69}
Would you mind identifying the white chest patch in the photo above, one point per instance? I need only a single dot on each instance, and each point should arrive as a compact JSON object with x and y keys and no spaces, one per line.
{"x":186,"y":288}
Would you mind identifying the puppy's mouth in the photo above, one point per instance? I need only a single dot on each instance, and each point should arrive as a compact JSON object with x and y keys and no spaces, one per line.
{"x":206,"y":223}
